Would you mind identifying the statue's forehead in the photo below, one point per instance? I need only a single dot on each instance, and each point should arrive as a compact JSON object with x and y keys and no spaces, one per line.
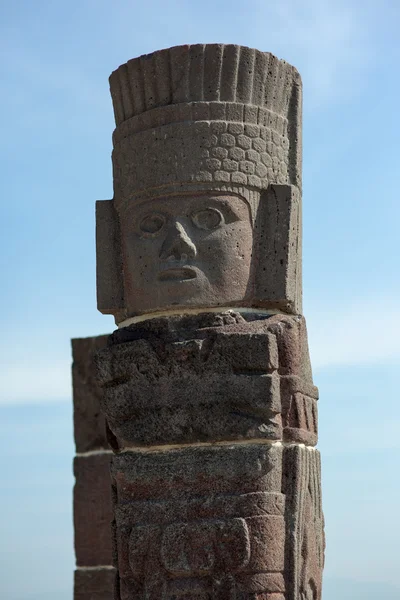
{"x":176,"y":204}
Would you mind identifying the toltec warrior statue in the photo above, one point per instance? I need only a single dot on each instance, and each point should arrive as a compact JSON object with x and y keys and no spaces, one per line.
{"x":207,"y":384}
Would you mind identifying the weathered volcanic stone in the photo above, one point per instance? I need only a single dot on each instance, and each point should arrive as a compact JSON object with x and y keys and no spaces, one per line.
{"x":93,"y":513}
{"x":98,"y":584}
{"x":89,"y":421}
{"x":209,"y":377}
{"x":230,"y":520}
{"x":221,"y":522}
{"x":206,"y":386}
{"x":301,"y":485}
{"x":179,"y":516}
{"x":207,"y":183}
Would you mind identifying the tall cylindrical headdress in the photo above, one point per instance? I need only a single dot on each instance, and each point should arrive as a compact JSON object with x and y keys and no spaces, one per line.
{"x":209,"y":116}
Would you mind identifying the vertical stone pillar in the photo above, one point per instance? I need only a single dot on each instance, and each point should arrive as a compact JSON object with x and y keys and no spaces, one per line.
{"x":93,"y":513}
{"x":207,"y":385}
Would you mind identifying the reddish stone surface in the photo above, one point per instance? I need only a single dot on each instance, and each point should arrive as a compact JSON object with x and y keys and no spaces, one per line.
{"x":94,"y":585}
{"x":93,"y":512}
{"x":239,"y":522}
{"x":89,"y":422}
{"x":305,"y":523}
{"x":207,"y":183}
{"x":218,"y":522}
{"x":210,"y":377}
{"x":213,"y":417}
{"x":200,"y":522}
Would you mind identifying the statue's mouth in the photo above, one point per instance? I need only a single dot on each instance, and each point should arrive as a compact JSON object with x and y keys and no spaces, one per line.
{"x":177,"y":274}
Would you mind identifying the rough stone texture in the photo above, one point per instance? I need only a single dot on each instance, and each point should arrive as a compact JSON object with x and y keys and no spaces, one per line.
{"x":200,"y":148}
{"x":195,"y":122}
{"x":89,"y":421}
{"x":276,"y":271}
{"x":251,"y":258}
{"x":212,"y":417}
{"x":305,"y":533}
{"x":93,"y":512}
{"x":234,"y":521}
{"x":203,"y":73}
{"x":94,"y":585}
{"x":109,"y":260}
{"x":194,"y":248}
{"x":179,"y":380}
{"x":183,"y":531}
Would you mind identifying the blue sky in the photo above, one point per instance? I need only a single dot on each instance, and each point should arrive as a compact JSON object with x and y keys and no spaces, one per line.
{"x":56,"y":121}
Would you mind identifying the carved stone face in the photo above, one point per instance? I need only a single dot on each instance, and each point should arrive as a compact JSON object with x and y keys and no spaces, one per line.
{"x":186,"y":251}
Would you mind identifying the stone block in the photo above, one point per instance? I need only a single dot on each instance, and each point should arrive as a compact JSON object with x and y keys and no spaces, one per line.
{"x":252,"y":353}
{"x":209,"y":378}
{"x":275,"y":275}
{"x":261,"y":583}
{"x":89,"y":421}
{"x":235,"y":520}
{"x":301,"y":484}
{"x":188,"y":524}
{"x":189,"y":508}
{"x":110,"y":289}
{"x":195,"y":549}
{"x":301,"y":420}
{"x":291,"y":336}
{"x":93,"y":513}
{"x":176,"y":124}
{"x":194,"y":409}
{"x":197,"y":471}
{"x":222,"y":384}
{"x":98,"y":584}
{"x":278,"y":224}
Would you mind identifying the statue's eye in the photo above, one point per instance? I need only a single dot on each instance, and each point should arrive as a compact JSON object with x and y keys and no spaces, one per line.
{"x":152,"y":224}
{"x":207,"y":219}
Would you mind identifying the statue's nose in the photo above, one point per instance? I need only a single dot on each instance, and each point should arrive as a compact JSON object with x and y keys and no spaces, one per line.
{"x":177,"y":244}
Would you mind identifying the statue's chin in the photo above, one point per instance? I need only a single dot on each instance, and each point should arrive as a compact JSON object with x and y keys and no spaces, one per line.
{"x":187,"y":286}
{"x":188,"y":294}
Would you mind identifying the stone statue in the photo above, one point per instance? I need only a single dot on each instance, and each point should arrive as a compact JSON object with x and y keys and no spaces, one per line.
{"x":207,"y":386}
{"x":207,"y":171}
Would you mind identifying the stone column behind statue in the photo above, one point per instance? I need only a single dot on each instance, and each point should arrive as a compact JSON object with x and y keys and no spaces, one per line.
{"x":208,"y":393}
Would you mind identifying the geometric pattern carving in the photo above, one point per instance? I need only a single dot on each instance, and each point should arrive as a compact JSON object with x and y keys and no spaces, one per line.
{"x":231,"y":380}
{"x":215,"y":521}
